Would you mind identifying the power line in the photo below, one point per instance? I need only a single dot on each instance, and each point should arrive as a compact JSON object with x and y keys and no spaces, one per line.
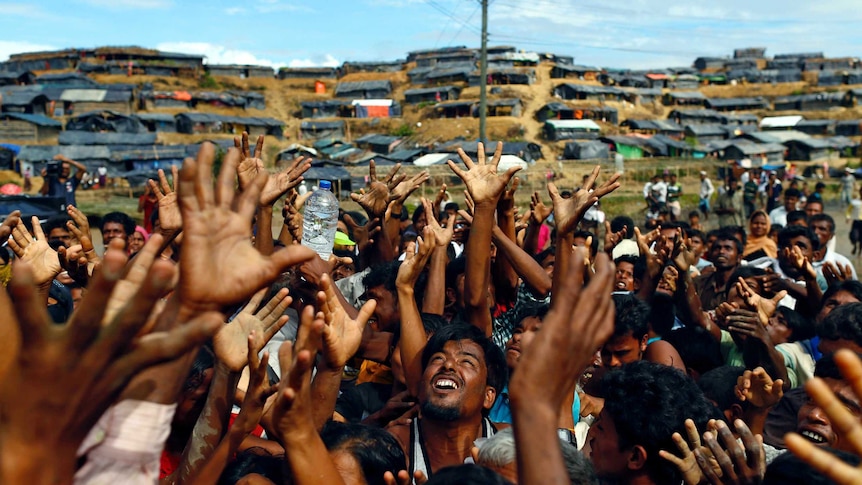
{"x":451,"y":16}
{"x":452,"y":40}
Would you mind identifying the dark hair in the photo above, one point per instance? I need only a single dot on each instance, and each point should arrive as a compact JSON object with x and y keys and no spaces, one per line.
{"x":383,"y":274}
{"x":854,"y":287}
{"x":718,"y":385}
{"x":693,"y":213}
{"x":469,"y":474}
{"x":594,"y":244}
{"x":626,"y":258}
{"x":204,"y":360}
{"x":823,"y":217}
{"x":648,"y":402}
{"x":801,"y":327}
{"x":794,"y":216}
{"x":420,"y":209}
{"x":495,"y":361}
{"x":451,"y":206}
{"x":121,"y":218}
{"x":827,"y":368}
{"x":632,"y":316}
{"x":56,"y":222}
{"x":375,"y":450}
{"x":791,"y":192}
{"x":543,"y":255}
{"x":406,"y":215}
{"x":789,"y":469}
{"x":534,"y":311}
{"x":729,"y":234}
{"x":843,"y":322}
{"x":746,"y":272}
{"x":248,"y":461}
{"x":737,"y":231}
{"x":432,"y":322}
{"x":696,"y":233}
{"x":697,"y":348}
{"x":618,"y":222}
{"x":792,"y":232}
{"x":454,"y":269}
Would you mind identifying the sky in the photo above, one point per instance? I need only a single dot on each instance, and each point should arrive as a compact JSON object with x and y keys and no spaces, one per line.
{"x":636,"y":34}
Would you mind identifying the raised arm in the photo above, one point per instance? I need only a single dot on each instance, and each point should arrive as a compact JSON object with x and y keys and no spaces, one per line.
{"x":504,"y":274}
{"x":485,"y":186}
{"x":413,"y":335}
{"x":434,"y":301}
{"x":581,"y":318}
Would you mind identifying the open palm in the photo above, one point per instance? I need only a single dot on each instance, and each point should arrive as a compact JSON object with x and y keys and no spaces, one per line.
{"x":232,"y":341}
{"x":342,"y":334}
{"x":218,"y":264}
{"x":44,"y":260}
{"x":483,"y":182}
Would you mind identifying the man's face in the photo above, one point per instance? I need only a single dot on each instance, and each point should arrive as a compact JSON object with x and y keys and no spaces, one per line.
{"x":622,"y":350}
{"x":733,"y":296}
{"x":697,"y":245}
{"x":385,"y":317}
{"x":778,"y":330}
{"x":136,"y":242}
{"x":815,"y":426}
{"x":790,"y":202}
{"x":669,"y":235}
{"x":455,"y":382}
{"x":839,"y":298}
{"x":624,"y":279}
{"x":548,"y":264}
{"x":61,"y":235}
{"x":813,"y":208}
{"x":608,"y":460}
{"x":113,"y":230}
{"x":802,"y":243}
{"x":65,"y":170}
{"x":673,"y":179}
{"x":421,"y":222}
{"x":823,"y":230}
{"x":521,"y":339}
{"x":724,"y":255}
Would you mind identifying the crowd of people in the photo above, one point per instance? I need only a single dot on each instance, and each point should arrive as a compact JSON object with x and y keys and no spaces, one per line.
{"x":466,"y":342}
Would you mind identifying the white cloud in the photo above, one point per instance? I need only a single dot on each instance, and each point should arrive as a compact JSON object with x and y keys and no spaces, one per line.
{"x":25,"y":10}
{"x":217,"y":54}
{"x":317,"y":61}
{"x":130,"y":4}
{"x":8,"y":47}
{"x":234,"y":10}
{"x":269,"y":6}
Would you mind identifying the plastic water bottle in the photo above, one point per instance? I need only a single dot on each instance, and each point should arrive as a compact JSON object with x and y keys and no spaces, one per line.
{"x":320,"y":220}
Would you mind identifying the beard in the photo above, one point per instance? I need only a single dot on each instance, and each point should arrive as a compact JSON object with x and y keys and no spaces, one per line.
{"x":439,"y":413}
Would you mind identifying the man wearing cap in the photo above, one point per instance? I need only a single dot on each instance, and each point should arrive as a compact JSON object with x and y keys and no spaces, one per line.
{"x":848,"y":184}
{"x":706,"y":191}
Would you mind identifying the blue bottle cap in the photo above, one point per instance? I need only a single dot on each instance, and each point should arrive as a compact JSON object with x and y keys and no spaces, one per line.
{"x":326,"y":184}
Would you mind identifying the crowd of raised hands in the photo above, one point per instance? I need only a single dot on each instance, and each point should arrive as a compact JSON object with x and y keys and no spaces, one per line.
{"x":219,"y":354}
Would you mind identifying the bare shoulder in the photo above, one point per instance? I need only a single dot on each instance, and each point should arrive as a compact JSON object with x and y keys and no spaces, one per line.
{"x":401,"y":432}
{"x":662,"y":352}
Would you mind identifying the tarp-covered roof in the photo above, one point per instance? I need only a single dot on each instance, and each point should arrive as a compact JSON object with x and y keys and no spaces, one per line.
{"x":39,"y":120}
{"x":91,"y":138}
{"x":437,"y":89}
{"x":750,"y":148}
{"x":321,"y":125}
{"x":363,"y":86}
{"x":780,"y":121}
{"x":44,"y":153}
{"x":244,"y":120}
{"x":574,"y":124}
{"x":434,"y":159}
{"x":686,"y":95}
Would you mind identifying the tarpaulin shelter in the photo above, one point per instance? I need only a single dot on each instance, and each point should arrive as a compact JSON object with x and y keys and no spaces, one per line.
{"x":101,"y":121}
{"x":376,"y":108}
{"x":586,"y":150}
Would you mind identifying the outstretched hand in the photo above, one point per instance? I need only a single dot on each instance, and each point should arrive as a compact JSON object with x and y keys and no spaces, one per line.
{"x":539,"y":212}
{"x":8,"y":224}
{"x":217,"y":227}
{"x":230,"y":343}
{"x":758,"y":389}
{"x":442,"y":235}
{"x":342,"y":335}
{"x":280,"y":183}
{"x":76,"y":370}
{"x":170,"y":216}
{"x":569,"y":212}
{"x":376,"y":199}
{"x":743,"y":464}
{"x":44,"y":261}
{"x":483,"y":182}
{"x":249,"y":167}
{"x":686,"y":462}
{"x":765,"y":307}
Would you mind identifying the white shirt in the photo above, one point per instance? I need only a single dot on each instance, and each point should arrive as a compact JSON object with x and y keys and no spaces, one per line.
{"x":779,"y":216}
{"x":706,"y":188}
{"x":659,"y":191}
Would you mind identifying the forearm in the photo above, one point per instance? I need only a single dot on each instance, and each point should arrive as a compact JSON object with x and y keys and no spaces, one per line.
{"x":435,"y":290}
{"x":284,"y":235}
{"x":210,"y":426}
{"x":392,"y":224}
{"x":308,"y":458}
{"x":540,"y":460}
{"x":215,"y":465}
{"x":531,"y":240}
{"x":478,"y":270}
{"x":263,"y":239}
{"x":505,"y":277}
{"x":413,"y":338}
{"x":524,"y":265}
{"x":694,"y":308}
{"x":324,"y":393}
{"x":562,"y":256}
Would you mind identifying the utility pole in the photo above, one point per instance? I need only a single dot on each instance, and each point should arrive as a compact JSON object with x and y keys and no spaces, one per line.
{"x":483,"y":73}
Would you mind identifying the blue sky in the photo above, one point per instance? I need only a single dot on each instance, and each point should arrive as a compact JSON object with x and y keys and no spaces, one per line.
{"x":613,"y":33}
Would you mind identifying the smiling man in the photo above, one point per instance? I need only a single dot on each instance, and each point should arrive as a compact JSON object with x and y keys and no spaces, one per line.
{"x":814,"y":424}
{"x":463,"y":372}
